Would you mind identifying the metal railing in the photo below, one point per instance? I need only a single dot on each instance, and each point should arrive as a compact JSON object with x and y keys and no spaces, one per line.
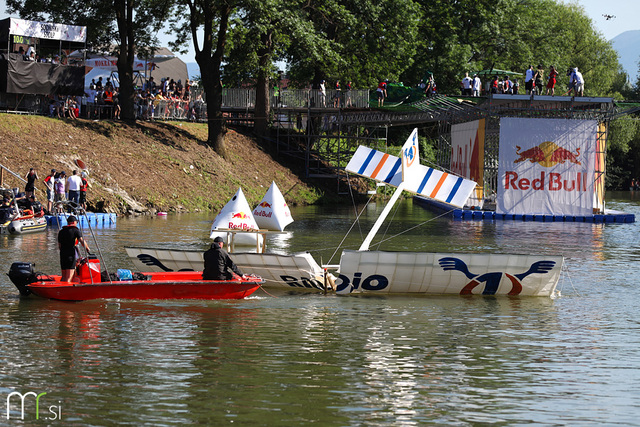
{"x":297,"y":98}
{"x":195,"y":108}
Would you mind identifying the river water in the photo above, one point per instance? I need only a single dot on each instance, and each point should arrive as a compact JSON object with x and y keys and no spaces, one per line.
{"x":295,"y":359}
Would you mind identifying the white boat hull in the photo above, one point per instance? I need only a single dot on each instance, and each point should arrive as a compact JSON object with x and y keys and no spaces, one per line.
{"x":297,"y":271}
{"x":447,"y":273}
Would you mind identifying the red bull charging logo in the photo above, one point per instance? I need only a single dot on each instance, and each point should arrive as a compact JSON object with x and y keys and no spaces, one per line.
{"x":265,"y":205}
{"x":240,"y":225}
{"x":547,"y":154}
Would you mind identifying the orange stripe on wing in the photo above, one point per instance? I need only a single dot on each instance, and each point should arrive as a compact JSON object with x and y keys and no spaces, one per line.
{"x":443,"y":178}
{"x":379,"y":167}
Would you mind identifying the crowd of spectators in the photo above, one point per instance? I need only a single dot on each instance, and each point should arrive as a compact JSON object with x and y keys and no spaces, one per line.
{"x":50,"y":58}
{"x":534,"y":83}
{"x":167,"y":100}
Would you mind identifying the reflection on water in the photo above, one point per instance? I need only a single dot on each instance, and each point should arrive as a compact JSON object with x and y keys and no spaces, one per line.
{"x":307,"y":358}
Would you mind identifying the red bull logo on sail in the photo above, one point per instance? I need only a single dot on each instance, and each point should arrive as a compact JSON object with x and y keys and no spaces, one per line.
{"x":265,"y":205}
{"x":547,"y":154}
{"x":240,"y":215}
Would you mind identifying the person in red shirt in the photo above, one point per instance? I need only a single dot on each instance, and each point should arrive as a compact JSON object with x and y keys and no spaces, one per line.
{"x":83,"y":190}
{"x":551,"y":84}
{"x":382,"y":92}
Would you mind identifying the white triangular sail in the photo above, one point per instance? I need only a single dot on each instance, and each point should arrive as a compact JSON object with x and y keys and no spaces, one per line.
{"x":419,"y":179}
{"x":235,"y":215}
{"x":272,"y":212}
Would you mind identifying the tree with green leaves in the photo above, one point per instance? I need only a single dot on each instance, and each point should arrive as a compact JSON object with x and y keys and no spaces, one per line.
{"x":361,"y":41}
{"x":473,"y":35}
{"x":262,"y":30}
{"x":212,"y":19}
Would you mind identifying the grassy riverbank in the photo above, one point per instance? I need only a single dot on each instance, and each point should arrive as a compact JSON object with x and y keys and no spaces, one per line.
{"x":147,"y":166}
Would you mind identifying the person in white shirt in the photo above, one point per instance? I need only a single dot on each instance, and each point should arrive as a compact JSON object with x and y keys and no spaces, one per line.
{"x":74,"y":182}
{"x":477,"y":85}
{"x":466,"y":85}
{"x":528,"y":79}
{"x":578,"y":82}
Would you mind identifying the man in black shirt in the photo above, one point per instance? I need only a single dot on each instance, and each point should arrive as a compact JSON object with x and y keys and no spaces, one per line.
{"x":217,"y":264}
{"x":68,"y":237}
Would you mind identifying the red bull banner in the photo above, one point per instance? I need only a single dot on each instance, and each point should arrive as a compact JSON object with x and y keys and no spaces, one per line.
{"x":547,"y":166}
{"x":467,"y":156}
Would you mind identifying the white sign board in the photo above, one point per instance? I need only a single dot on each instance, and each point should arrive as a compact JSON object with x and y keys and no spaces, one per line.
{"x":48,"y":30}
{"x":546,"y":166}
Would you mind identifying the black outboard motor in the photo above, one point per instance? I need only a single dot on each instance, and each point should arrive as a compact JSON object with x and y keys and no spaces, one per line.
{"x":22,"y":274}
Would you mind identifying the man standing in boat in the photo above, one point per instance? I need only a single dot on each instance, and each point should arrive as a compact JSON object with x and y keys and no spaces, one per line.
{"x":68,"y":238}
{"x":217,"y":263}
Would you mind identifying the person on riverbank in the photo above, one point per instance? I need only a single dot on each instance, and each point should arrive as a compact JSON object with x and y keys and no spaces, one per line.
{"x":217,"y":263}
{"x":60,"y":187}
{"x":83,"y":190}
{"x":68,"y":239}
{"x":73,"y":187}
{"x":31,"y":178}
{"x":48,"y":182}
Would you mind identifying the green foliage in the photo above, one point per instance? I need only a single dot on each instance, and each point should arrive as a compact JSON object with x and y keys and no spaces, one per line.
{"x":361,"y":41}
{"x":472,"y":35}
{"x":623,"y":153}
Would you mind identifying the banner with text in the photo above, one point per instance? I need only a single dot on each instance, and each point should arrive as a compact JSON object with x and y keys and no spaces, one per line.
{"x":467,"y":156}
{"x":546,"y":166}
{"x":48,"y":30}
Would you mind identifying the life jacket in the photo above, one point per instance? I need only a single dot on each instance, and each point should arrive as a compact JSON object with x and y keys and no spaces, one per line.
{"x":84,"y":185}
{"x":108,"y":96}
{"x":382,"y":86}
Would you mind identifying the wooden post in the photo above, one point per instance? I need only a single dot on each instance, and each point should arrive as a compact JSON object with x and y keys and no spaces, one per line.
{"x":325,"y":280}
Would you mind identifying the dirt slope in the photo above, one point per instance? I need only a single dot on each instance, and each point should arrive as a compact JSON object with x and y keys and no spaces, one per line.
{"x":145,"y":166}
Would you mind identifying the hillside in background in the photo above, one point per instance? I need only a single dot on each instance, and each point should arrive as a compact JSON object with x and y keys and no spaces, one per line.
{"x":627,"y":45}
{"x":146,"y":166}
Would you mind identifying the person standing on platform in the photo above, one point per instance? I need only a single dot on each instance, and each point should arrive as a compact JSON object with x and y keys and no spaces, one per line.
{"x":477,"y":86}
{"x":551,"y":84}
{"x":466,"y":85}
{"x":382,"y":92}
{"x":323,"y":94}
{"x":528,"y":80}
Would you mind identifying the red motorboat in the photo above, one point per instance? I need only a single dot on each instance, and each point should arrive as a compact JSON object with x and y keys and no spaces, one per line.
{"x":88,"y":284}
